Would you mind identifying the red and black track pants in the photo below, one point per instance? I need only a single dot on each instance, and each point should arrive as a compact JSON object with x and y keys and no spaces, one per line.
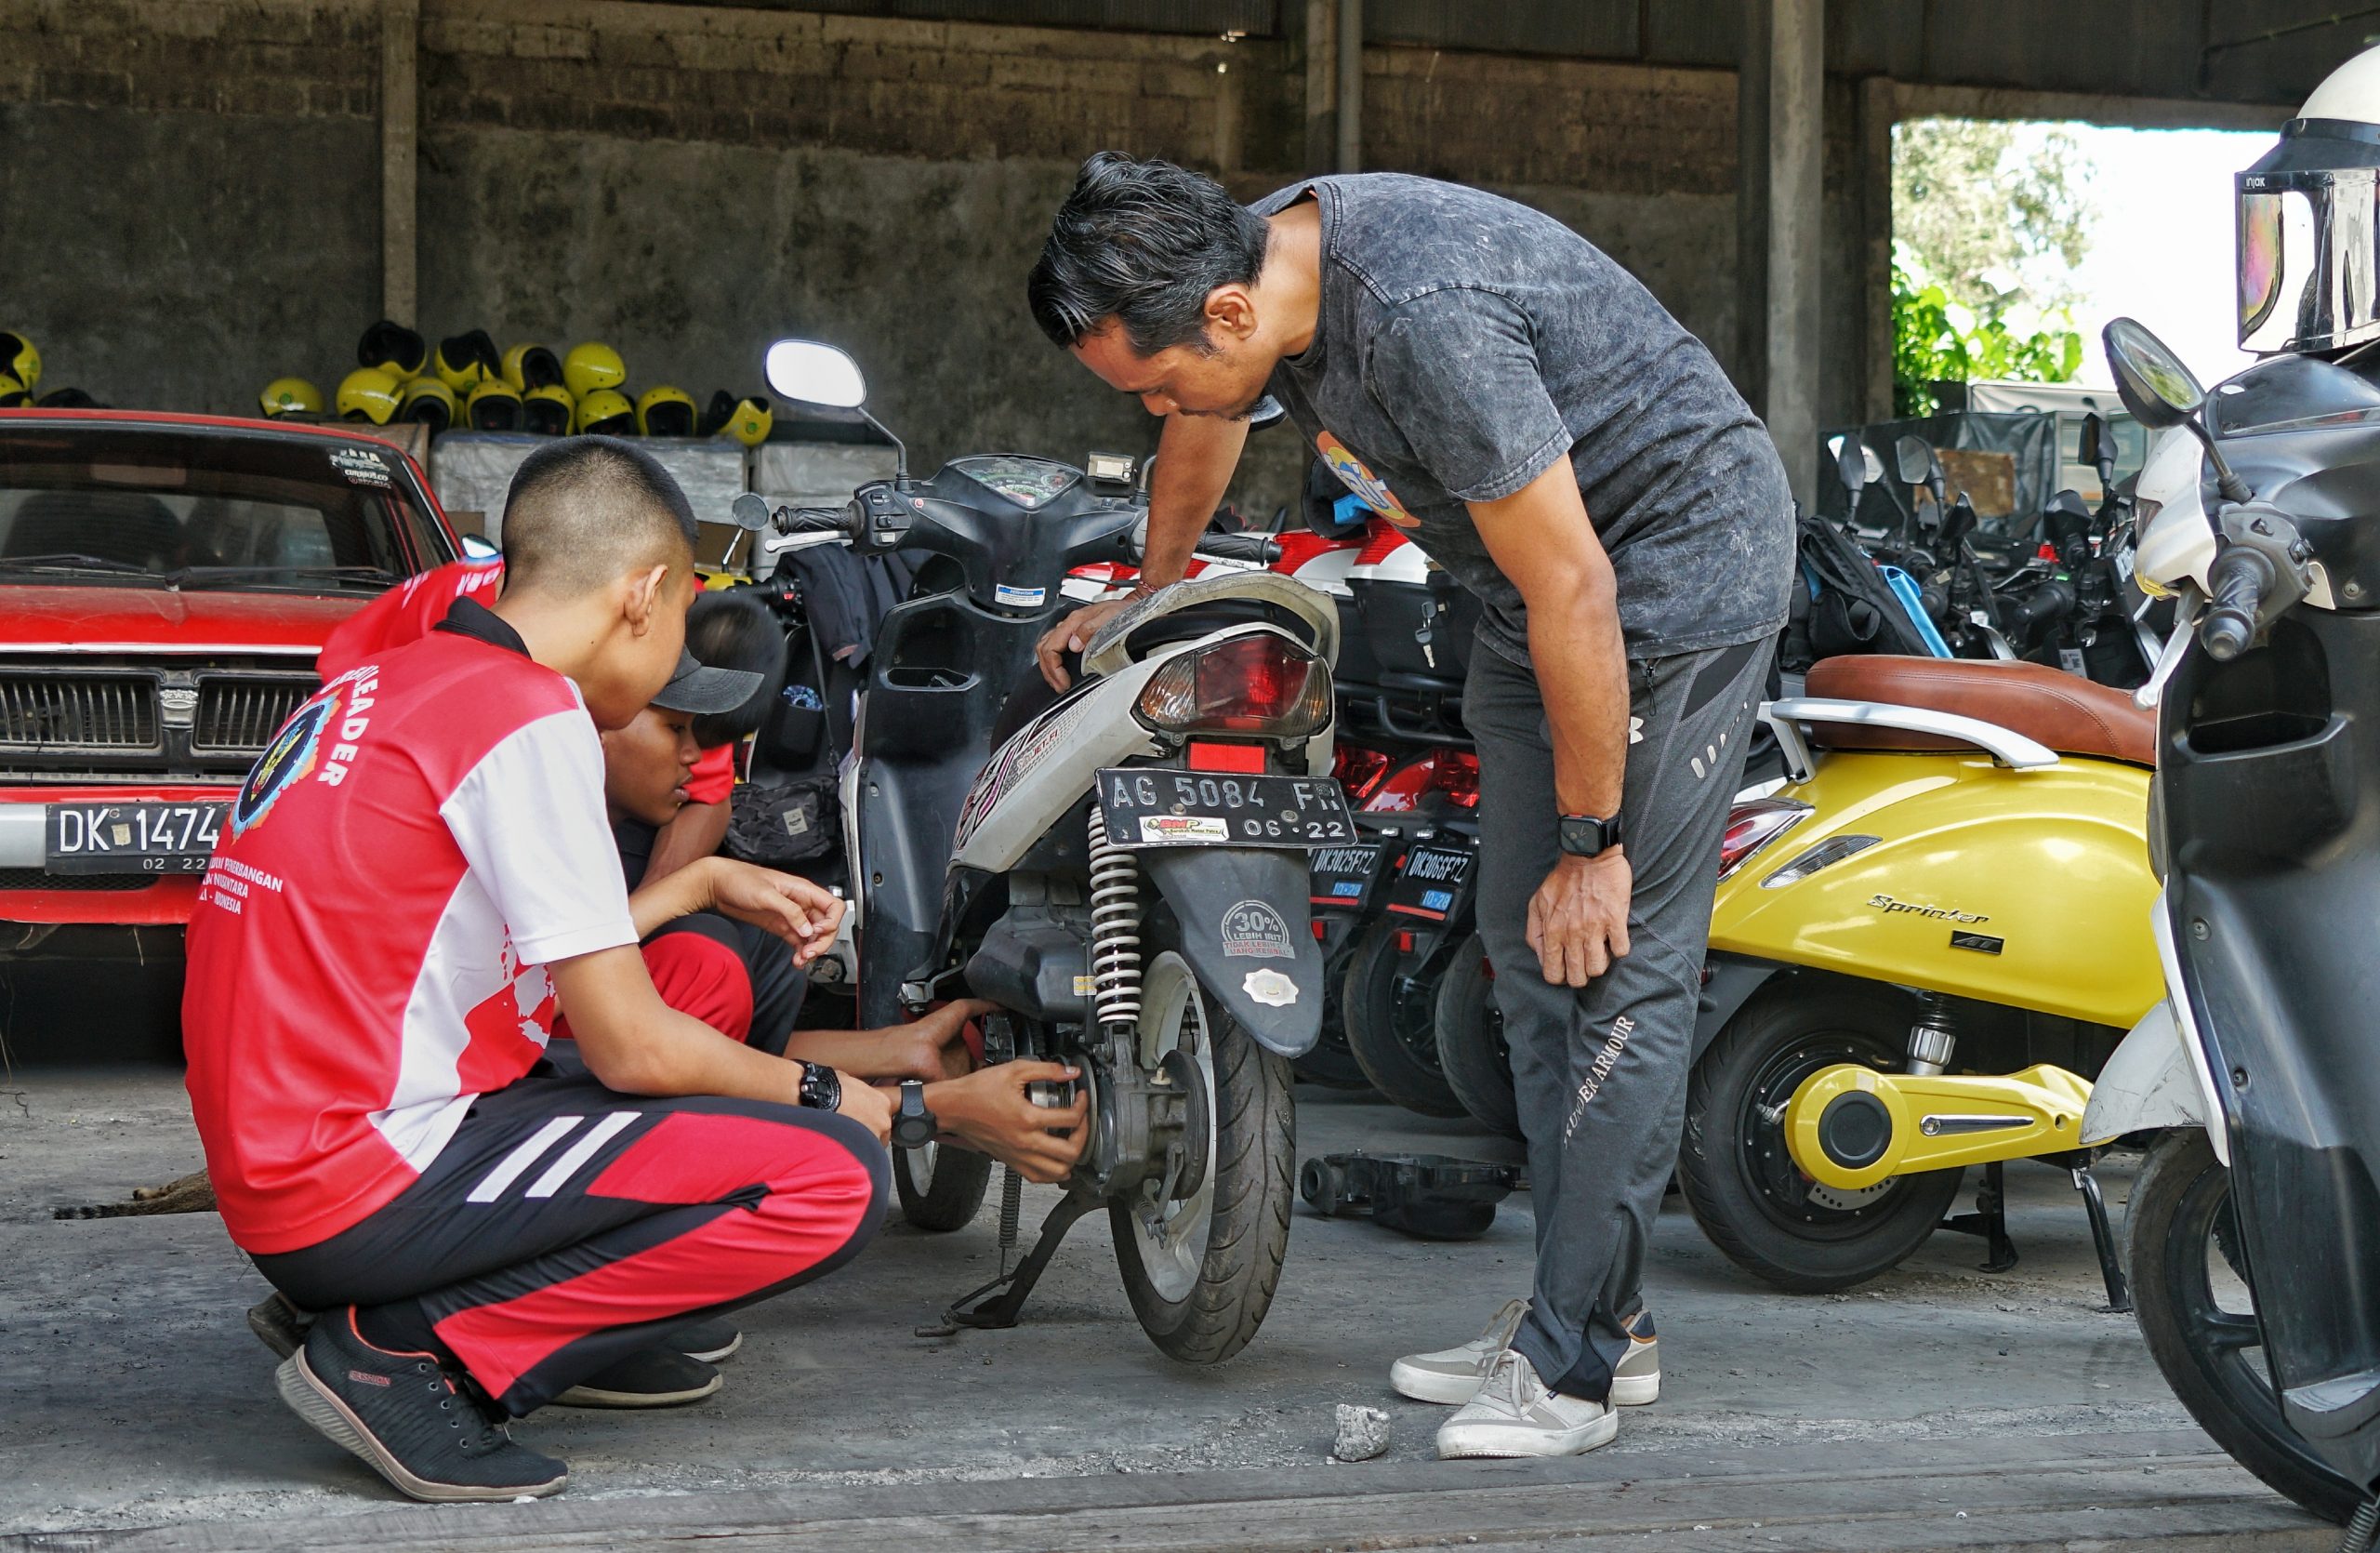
{"x":566,"y":1226}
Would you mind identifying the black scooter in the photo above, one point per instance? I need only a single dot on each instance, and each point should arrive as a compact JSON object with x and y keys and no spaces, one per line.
{"x":2255,"y":1232}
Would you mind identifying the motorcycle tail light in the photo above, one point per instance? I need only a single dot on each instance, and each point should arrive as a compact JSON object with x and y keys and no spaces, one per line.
{"x":1451,"y":773}
{"x":1261,"y":684}
{"x":1751,"y":825}
{"x":1359,"y":770}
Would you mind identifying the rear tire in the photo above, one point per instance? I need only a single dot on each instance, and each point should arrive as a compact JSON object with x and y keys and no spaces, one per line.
{"x":1471,"y":1053}
{"x":1201,"y":1297}
{"x":941,"y":1186}
{"x":2209,"y":1353}
{"x":1740,"y":1183}
{"x":1391,"y":1007}
{"x":1331,"y":1064}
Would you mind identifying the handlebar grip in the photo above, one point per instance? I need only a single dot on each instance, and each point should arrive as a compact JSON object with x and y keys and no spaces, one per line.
{"x":812,"y":519}
{"x":2237,"y":584}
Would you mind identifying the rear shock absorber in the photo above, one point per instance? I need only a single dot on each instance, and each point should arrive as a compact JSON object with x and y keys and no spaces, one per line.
{"x":1933,"y":1038}
{"x":1114,"y":930}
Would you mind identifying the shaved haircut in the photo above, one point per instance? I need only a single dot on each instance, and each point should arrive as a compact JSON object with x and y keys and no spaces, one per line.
{"x":585,"y":510}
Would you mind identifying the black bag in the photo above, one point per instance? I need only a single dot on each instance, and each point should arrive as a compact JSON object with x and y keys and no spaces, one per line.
{"x":785,"y":823}
{"x":1842,"y":604}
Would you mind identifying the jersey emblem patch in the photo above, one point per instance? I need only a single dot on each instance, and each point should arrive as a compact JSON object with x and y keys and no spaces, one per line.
{"x":1369,"y":488}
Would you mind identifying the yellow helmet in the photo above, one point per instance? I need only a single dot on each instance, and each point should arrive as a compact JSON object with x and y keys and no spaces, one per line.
{"x":368,"y":393}
{"x":664,"y":411}
{"x":21,"y":361}
{"x":494,"y":405}
{"x":526,"y":367}
{"x":548,"y":410}
{"x":606,"y":412}
{"x":290,"y":396}
{"x":393,"y":349}
{"x":12,"y":394}
{"x":590,"y":366}
{"x":467,"y":360}
{"x":430,"y":401}
{"x":752,"y":418}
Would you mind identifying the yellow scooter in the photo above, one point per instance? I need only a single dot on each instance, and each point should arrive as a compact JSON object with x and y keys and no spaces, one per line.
{"x":1921,"y":944}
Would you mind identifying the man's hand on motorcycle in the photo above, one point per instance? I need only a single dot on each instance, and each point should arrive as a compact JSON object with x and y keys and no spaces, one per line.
{"x":803,"y":914}
{"x":870,"y":1106}
{"x":991,"y":1110}
{"x":933,"y":1047}
{"x":1578,"y":920}
{"x":1072,"y":635}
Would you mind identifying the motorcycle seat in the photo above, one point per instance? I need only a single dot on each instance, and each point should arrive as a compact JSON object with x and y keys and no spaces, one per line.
{"x":2071,"y":715}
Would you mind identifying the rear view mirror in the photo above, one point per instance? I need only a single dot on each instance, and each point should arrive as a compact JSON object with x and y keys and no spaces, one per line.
{"x":1851,"y":463}
{"x":1914,"y":460}
{"x":750,"y":512}
{"x":2098,"y":447}
{"x":814,"y":374}
{"x":2151,"y":379}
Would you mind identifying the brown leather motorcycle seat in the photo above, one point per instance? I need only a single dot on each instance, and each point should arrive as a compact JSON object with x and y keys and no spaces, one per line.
{"x":2071,"y":715}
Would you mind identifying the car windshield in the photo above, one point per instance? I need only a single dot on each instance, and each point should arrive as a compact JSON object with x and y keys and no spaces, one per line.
{"x":198,"y":509}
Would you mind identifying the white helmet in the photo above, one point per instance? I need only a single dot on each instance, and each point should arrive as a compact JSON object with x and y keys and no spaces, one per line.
{"x":2308,"y":217}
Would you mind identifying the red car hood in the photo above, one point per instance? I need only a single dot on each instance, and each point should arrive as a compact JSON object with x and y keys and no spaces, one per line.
{"x":91,"y":619}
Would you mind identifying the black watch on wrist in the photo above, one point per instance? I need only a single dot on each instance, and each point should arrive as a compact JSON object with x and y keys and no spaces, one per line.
{"x":822,"y":1087}
{"x":1586,"y":836}
{"x":913,"y":1126}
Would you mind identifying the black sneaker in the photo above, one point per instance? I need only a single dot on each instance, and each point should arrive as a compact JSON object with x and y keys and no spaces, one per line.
{"x":280,"y":1325}
{"x":708,"y":1341}
{"x":650,"y":1378}
{"x":408,"y":1420}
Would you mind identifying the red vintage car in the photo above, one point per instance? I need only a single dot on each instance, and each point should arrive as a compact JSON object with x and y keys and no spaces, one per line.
{"x":165,"y":582}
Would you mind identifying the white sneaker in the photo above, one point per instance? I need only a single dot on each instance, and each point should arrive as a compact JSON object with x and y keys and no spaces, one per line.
{"x":1455,"y":1374}
{"x":1516,"y":1415}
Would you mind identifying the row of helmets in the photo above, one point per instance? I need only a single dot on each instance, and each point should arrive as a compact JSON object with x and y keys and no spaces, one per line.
{"x":20,"y":379}
{"x":464,"y":383}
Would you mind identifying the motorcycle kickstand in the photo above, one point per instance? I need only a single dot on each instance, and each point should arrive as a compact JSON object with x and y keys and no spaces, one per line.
{"x":2103,"y":1240}
{"x":996,"y":1305}
{"x":1989,"y":1220}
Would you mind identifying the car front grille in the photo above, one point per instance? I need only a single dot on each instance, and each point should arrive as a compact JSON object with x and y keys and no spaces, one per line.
{"x":126,"y":719}
{"x":240,"y":715}
{"x":73,"y":713}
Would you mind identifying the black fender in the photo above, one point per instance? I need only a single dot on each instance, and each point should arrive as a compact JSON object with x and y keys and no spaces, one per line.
{"x":1728,"y":982}
{"x":1246,"y":933}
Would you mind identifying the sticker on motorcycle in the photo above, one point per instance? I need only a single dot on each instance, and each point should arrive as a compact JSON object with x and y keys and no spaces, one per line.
{"x":1019,"y":598}
{"x":1270,"y":988}
{"x":1252,"y":930}
{"x":1184,"y":828}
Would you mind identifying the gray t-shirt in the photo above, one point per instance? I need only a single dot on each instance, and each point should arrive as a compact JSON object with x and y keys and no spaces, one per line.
{"x":1466,"y":342}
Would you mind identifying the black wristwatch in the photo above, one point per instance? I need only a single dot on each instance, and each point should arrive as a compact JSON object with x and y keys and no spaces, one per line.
{"x":822,"y":1087}
{"x":1586,"y":836}
{"x":913,"y":1126}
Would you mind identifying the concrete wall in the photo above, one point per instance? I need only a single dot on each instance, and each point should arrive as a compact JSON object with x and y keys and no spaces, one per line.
{"x":191,"y":189}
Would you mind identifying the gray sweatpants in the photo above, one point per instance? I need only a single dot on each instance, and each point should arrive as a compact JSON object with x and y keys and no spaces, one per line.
{"x":1600,"y":1070}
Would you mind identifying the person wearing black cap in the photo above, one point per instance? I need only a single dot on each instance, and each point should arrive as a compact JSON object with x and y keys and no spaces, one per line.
{"x":414,"y":885}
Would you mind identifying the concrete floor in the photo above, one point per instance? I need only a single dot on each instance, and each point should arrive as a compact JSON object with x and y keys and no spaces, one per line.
{"x":1940,"y":1407}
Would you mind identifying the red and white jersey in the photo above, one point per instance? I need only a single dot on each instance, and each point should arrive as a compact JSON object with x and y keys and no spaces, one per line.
{"x":416,"y":844}
{"x":406,"y":613}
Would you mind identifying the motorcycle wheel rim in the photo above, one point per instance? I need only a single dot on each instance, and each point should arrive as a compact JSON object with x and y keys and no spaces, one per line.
{"x":1413,"y":1012}
{"x":1786,"y":1196}
{"x":1169,"y":1239}
{"x":2216,"y":1306}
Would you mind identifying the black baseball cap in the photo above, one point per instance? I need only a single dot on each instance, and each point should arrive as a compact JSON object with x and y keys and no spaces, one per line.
{"x":698,"y":688}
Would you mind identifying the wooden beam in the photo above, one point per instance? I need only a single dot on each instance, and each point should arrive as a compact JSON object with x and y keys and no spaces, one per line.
{"x":1351,"y":86}
{"x":1879,"y":106}
{"x":1321,"y":86}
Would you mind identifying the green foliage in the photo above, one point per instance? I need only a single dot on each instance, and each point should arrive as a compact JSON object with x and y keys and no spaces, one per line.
{"x":1997,"y":212}
{"x":1935,"y":338}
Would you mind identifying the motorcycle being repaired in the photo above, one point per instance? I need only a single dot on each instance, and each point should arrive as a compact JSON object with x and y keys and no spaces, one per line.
{"x":1125,"y":875}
